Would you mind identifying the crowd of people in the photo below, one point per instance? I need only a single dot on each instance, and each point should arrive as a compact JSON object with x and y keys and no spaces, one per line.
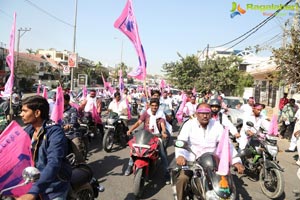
{"x":204,"y":119}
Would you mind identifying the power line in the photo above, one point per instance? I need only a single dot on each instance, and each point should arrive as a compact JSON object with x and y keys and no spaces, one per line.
{"x":49,"y":14}
{"x":254,"y":29}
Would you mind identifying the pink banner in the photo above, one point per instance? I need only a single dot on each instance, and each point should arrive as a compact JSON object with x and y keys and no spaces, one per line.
{"x":179,"y":114}
{"x":127,"y":24}
{"x":96,"y":116}
{"x":162,"y":84}
{"x":194,"y":91}
{"x":45,"y":93}
{"x":223,"y":152}
{"x":15,"y":155}
{"x":128,"y":109}
{"x":8,"y":88}
{"x":58,"y":108}
{"x":103,"y":80}
{"x":38,"y":89}
{"x":273,"y":129}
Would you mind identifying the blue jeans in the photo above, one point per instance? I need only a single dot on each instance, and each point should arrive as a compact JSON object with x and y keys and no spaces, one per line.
{"x":62,"y":197}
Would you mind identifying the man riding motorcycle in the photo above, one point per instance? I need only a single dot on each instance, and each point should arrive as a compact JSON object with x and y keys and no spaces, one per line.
{"x":217,"y":115}
{"x":203,"y":135}
{"x":154,"y":122}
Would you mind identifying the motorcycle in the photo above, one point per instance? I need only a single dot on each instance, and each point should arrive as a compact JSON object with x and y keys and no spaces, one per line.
{"x":29,"y":174}
{"x":205,"y":183}
{"x":144,"y":152}
{"x":115,"y":132}
{"x":88,"y":126}
{"x":259,"y":159}
{"x":83,"y":185}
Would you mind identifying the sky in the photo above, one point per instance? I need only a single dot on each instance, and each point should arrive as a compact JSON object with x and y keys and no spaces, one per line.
{"x":166,"y":28}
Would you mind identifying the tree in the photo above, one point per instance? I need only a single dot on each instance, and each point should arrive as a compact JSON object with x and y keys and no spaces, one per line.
{"x":26,"y":69}
{"x":216,"y":73}
{"x":31,"y":51}
{"x":288,"y":60}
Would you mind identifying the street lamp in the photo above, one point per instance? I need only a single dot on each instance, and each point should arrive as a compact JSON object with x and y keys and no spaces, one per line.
{"x":122,"y":42}
{"x":74,"y":45}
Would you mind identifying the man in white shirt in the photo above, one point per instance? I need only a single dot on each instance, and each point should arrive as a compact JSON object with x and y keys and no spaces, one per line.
{"x":203,"y":135}
{"x":293,"y":143}
{"x":257,"y":119}
{"x":217,"y":115}
{"x":119,"y":106}
{"x":165,"y":101}
{"x":91,"y":100}
{"x":189,"y":108}
{"x":247,"y":108}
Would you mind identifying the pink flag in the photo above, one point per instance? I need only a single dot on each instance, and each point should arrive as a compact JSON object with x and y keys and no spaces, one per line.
{"x":75,"y":105}
{"x":179,"y":114}
{"x":95,"y":115}
{"x":8,"y":88}
{"x":162,"y":84}
{"x":15,"y":155}
{"x":84,"y":93}
{"x":38,"y":89}
{"x":127,"y":24}
{"x":194,"y":91}
{"x":45,"y":93}
{"x":103,"y":80}
{"x":223,"y":152}
{"x":121,"y":83}
{"x":273,"y":129}
{"x":58,"y":108}
{"x":128,"y":109}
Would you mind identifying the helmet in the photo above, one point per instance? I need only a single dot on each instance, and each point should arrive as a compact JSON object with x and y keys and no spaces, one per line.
{"x":209,"y":160}
{"x":215,"y":102}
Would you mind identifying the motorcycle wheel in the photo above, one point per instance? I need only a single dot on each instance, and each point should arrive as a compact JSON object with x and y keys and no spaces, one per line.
{"x":85,"y":194}
{"x":273,"y":188}
{"x":138,"y":183}
{"x":108,"y":140}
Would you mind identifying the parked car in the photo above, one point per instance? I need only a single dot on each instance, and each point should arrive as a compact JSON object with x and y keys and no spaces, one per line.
{"x":233,"y":102}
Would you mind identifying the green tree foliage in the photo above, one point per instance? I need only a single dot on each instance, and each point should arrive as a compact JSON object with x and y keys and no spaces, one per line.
{"x":288,"y":60}
{"x":216,"y":73}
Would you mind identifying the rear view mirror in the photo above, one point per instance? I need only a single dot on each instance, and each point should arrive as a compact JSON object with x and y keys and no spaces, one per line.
{"x":250,"y":124}
{"x":30,"y":174}
{"x":183,"y":145}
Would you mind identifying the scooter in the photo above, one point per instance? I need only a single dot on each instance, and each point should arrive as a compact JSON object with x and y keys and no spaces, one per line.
{"x":205,"y":183}
{"x":144,"y":152}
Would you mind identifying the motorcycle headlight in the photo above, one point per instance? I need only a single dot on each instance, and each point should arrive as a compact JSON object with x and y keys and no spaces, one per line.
{"x":273,"y":150}
{"x":211,"y":195}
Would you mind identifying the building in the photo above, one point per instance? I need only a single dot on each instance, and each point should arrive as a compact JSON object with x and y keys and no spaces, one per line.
{"x":260,"y":68}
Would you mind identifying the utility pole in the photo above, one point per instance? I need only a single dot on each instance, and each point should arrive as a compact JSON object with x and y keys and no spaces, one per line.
{"x":21,"y":32}
{"x":74,"y":45}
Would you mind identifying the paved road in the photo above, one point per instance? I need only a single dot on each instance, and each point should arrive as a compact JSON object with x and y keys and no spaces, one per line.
{"x":109,"y":169}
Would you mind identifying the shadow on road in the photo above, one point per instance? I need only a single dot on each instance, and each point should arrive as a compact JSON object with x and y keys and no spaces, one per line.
{"x":241,"y":192}
{"x":106,"y":170}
